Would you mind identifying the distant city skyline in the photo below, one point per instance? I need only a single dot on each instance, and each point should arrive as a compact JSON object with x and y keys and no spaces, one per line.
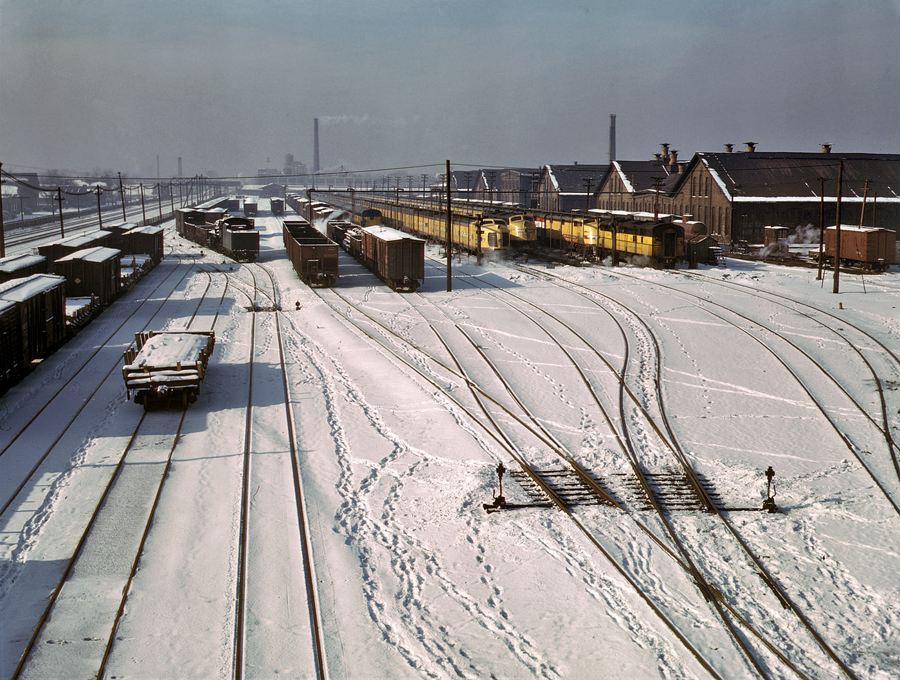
{"x":226,"y":85}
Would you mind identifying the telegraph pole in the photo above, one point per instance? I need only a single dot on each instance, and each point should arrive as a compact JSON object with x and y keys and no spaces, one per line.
{"x":2,"y":235}
{"x":60,"y":199}
{"x":862,"y":210}
{"x":587,"y":194}
{"x":122,"y":195}
{"x":172,"y":198}
{"x":837,"y":232}
{"x":657,"y":181}
{"x":822,"y":181}
{"x":143,"y":209}
{"x":99,"y":211}
{"x":159,"y":200}
{"x":449,"y":233}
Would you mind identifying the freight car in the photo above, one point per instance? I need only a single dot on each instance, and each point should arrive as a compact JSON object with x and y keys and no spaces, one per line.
{"x":20,"y":266}
{"x":134,"y":240}
{"x":12,"y":363}
{"x":166,"y":368}
{"x":237,"y":238}
{"x":251,"y":207}
{"x":276,"y":205}
{"x":91,"y":272}
{"x":57,"y":249}
{"x":396,"y":258}
{"x":868,"y":248}
{"x":313,"y":255}
{"x":232,"y":236}
{"x":40,"y":323}
{"x":336,"y":230}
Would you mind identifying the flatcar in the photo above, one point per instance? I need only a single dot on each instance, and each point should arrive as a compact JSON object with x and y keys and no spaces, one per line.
{"x":166,"y":368}
{"x":313,"y":255}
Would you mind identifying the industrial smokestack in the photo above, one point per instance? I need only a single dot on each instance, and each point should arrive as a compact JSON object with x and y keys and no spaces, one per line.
{"x":612,"y":137}
{"x":316,"y":151}
{"x":179,"y":167}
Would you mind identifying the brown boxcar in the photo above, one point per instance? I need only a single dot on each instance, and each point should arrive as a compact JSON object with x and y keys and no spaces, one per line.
{"x":20,"y":266}
{"x":93,"y":271}
{"x":144,"y":241}
{"x":66,"y":246}
{"x":41,"y":303}
{"x":12,"y":360}
{"x":397,"y":258}
{"x":237,"y":238}
{"x":313,"y":255}
{"x":867,"y":247}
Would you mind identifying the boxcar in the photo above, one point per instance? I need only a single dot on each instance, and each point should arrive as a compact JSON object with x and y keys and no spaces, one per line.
{"x":144,"y":241}
{"x":166,"y":368}
{"x":250,"y":207}
{"x":276,"y":205}
{"x":93,"y":271}
{"x":397,"y":258}
{"x":337,"y":230}
{"x":20,"y":266}
{"x":867,"y":247}
{"x":41,"y":303}
{"x":12,"y":359}
{"x":313,"y":255}
{"x":54,"y":251}
{"x":237,"y":238}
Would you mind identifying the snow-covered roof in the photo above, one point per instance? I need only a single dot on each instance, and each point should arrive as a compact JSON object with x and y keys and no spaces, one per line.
{"x":97,"y":254}
{"x":19,"y":290}
{"x":14,"y":263}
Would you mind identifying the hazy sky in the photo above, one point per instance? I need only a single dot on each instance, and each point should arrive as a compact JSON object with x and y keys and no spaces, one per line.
{"x":228,"y":84}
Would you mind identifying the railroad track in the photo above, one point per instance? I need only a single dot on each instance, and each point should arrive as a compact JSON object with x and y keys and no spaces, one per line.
{"x":684,"y":471}
{"x":557,"y":499}
{"x":262,"y":552}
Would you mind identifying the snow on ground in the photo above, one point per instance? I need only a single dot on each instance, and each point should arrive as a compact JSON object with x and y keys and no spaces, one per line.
{"x":414,"y":578}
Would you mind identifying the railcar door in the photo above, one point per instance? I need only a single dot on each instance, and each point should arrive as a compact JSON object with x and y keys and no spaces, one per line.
{"x":669,"y":244}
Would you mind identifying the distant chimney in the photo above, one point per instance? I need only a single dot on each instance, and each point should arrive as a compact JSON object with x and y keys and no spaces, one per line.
{"x":751,"y":146}
{"x":316,"y":145}
{"x":657,"y":156}
{"x":729,"y":148}
{"x":612,"y":137}
{"x":665,"y":152}
{"x":826,"y":148}
{"x":673,"y":160}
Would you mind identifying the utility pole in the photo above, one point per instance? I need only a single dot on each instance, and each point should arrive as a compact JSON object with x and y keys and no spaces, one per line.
{"x":657,"y":181}
{"x":837,"y":232}
{"x":587,"y":194}
{"x":449,"y":233}
{"x":99,"y":211}
{"x":60,"y":199}
{"x":822,"y":181}
{"x":2,"y":235}
{"x":122,"y":195}
{"x":143,"y":210}
{"x":172,"y":198}
{"x":159,"y":199}
{"x":862,"y":210}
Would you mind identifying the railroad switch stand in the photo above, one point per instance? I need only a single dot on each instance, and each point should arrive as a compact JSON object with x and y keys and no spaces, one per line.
{"x":769,"y":503}
{"x":499,"y":501}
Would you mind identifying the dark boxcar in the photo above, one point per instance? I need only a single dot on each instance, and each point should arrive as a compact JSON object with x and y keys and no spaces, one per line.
{"x":337,"y":230}
{"x":868,"y":247}
{"x":238,"y":239}
{"x":12,"y":360}
{"x":20,"y":266}
{"x":313,"y":255}
{"x":41,"y":303}
{"x":93,"y":271}
{"x":117,"y":231}
{"x":58,"y":249}
{"x":398,"y":259}
{"x":144,"y":241}
{"x":277,"y":206}
{"x":250,"y":207}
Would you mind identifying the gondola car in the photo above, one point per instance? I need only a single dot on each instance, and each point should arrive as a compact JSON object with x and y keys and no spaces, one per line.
{"x":313,"y":255}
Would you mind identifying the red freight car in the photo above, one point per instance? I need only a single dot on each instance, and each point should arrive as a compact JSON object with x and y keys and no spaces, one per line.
{"x":397,"y":258}
{"x":866,"y":247}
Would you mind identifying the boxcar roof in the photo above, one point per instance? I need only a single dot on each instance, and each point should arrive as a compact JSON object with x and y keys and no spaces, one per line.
{"x":98,"y":254}
{"x":388,"y":234}
{"x":16,"y":262}
{"x":19,"y":290}
{"x":854,"y":227}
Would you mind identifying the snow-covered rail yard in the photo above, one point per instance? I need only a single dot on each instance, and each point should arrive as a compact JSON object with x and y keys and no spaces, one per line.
{"x":319,"y":511}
